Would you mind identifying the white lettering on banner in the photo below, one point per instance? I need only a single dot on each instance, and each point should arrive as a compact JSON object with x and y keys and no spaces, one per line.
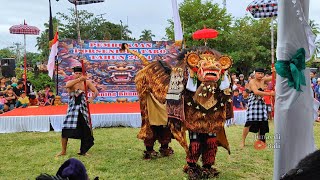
{"x":105,"y":45}
{"x":153,"y":51}
{"x":98,"y":51}
{"x":118,"y":45}
{"x":133,"y":57}
{"x":107,"y":57}
{"x":108,"y":94}
{"x":121,"y":93}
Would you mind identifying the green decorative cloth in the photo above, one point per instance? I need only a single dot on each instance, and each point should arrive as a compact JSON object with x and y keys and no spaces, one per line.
{"x":292,"y":69}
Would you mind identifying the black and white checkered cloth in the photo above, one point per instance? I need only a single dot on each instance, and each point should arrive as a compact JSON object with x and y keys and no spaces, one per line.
{"x":84,"y":2}
{"x":263,"y":8}
{"x":257,"y":109}
{"x":73,"y":111}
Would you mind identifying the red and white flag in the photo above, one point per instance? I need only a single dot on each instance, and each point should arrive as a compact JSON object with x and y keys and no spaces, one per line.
{"x":52,"y":56}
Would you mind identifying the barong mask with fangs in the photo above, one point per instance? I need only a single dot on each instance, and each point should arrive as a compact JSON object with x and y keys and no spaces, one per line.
{"x":209,"y":70}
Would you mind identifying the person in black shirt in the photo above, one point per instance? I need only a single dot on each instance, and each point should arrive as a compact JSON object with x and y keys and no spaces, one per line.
{"x":18,"y":89}
{"x":50,"y":98}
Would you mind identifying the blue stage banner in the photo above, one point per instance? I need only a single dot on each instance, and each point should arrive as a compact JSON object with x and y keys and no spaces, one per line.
{"x":111,"y":71}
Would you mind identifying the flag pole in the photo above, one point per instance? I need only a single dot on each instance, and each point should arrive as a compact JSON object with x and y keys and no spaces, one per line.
{"x":82,"y":64}
{"x":273,"y":82}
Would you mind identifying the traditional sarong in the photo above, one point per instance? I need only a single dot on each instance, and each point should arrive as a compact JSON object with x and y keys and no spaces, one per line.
{"x":76,"y":123}
{"x":257,"y":115}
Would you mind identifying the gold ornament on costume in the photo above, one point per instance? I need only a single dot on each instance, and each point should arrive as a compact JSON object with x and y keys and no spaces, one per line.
{"x":192,"y":59}
{"x":225,"y":62}
{"x":208,"y":57}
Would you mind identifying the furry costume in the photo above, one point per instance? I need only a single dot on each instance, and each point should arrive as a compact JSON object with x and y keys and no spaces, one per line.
{"x":202,"y":110}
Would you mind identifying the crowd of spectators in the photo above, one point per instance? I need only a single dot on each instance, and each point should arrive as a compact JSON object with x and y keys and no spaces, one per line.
{"x":13,"y":94}
{"x":241,"y":92}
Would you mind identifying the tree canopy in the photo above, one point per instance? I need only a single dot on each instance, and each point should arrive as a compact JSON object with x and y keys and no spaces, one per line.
{"x":146,"y":35}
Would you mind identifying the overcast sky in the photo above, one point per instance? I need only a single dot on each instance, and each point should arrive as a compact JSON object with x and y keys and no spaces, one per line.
{"x":140,"y":15}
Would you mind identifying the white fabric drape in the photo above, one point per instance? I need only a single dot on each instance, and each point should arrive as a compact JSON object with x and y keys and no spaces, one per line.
{"x":293,"y":110}
{"x":103,"y":120}
{"x":11,"y":124}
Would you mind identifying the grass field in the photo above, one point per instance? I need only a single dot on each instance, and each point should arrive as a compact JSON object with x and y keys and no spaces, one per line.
{"x":117,"y":154}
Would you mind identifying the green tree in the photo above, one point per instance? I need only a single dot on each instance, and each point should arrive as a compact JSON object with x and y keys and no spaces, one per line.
{"x":91,"y":27}
{"x":195,"y":14}
{"x":249,"y":44}
{"x":7,"y":53}
{"x":146,"y":35}
{"x":316,"y":30}
{"x":43,"y":40}
{"x":246,"y":40}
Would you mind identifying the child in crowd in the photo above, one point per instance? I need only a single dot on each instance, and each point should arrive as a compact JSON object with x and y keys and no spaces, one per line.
{"x":240,"y":88}
{"x":11,"y":98}
{"x":3,"y":101}
{"x":14,"y":81}
{"x":23,"y":100}
{"x":237,"y":100}
{"x":267,"y":100}
{"x":245,"y":98}
{"x":41,"y":99}
{"x":33,"y":100}
{"x":50,"y":98}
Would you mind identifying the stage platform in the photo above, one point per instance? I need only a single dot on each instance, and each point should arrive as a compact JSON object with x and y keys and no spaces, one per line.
{"x":39,"y":119}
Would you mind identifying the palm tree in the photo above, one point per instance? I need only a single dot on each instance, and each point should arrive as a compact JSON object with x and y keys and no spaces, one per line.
{"x":125,"y":32}
{"x":146,"y":35}
{"x":43,"y":40}
{"x":316,"y":30}
{"x":314,"y":27}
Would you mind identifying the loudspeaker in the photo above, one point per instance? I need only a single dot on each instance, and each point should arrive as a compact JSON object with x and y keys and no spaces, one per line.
{"x":8,"y":66}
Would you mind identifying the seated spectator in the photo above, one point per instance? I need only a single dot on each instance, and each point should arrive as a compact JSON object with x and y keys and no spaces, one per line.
{"x":47,"y":89}
{"x":237,"y":100}
{"x":41,"y":99}
{"x":23,"y":100}
{"x":33,"y":100}
{"x":50,"y":99}
{"x":11,"y":98}
{"x":18,"y":89}
{"x":3,"y":101}
{"x":14,"y":82}
{"x":72,"y":169}
{"x":3,"y":85}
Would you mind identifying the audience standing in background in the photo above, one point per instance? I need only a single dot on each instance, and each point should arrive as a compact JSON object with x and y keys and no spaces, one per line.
{"x":313,"y":79}
{"x":245,"y":98}
{"x":242,"y":81}
{"x":237,"y":100}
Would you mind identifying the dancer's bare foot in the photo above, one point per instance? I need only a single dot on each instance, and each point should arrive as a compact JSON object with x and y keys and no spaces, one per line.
{"x":242,"y":145}
{"x":61,"y":154}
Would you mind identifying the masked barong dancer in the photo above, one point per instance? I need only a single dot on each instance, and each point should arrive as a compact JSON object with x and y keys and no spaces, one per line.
{"x":76,"y":123}
{"x":257,"y":112}
{"x":202,"y":107}
{"x":152,"y":97}
{"x":197,"y":94}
